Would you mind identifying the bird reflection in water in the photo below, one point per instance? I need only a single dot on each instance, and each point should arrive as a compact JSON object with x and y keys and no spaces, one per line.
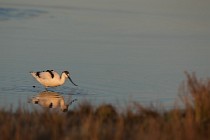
{"x":49,"y":99}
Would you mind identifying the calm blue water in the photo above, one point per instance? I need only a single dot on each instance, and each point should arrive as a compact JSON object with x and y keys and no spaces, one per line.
{"x":117,"y":52}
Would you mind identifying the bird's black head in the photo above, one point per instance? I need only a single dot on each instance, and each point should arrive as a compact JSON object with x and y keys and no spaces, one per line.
{"x":66,"y":72}
{"x":68,"y":75}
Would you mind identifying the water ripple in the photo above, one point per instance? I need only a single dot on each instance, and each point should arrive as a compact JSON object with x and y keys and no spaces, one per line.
{"x":17,"y":14}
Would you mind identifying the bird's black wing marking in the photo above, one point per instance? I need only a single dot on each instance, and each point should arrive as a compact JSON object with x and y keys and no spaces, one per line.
{"x":38,"y":73}
{"x":51,"y":73}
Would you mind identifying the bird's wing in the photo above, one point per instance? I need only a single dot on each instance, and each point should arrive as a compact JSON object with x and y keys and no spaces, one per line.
{"x":45,"y":75}
{"x":55,"y":75}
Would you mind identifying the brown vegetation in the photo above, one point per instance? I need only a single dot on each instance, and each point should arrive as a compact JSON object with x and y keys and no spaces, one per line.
{"x":105,"y":122}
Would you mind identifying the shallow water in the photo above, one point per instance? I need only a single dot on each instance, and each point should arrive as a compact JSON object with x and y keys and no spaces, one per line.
{"x":116,"y":52}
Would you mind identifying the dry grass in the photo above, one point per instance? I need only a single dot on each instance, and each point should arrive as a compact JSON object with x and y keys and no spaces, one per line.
{"x":86,"y":122}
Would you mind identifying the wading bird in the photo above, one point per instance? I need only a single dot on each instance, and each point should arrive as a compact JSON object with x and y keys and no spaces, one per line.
{"x":50,"y":78}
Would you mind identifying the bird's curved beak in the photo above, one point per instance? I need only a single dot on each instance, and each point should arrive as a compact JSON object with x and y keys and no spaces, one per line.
{"x":72,"y":81}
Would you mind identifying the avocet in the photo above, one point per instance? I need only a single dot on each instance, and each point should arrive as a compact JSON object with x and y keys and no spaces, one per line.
{"x":50,"y":78}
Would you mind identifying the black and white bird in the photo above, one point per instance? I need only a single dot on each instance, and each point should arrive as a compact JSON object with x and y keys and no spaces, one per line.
{"x":50,"y":78}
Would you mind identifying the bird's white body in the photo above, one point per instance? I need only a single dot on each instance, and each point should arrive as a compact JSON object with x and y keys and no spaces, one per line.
{"x":50,"y":78}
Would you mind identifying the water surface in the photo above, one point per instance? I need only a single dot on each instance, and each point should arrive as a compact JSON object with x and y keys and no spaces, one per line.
{"x":116,"y":52}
